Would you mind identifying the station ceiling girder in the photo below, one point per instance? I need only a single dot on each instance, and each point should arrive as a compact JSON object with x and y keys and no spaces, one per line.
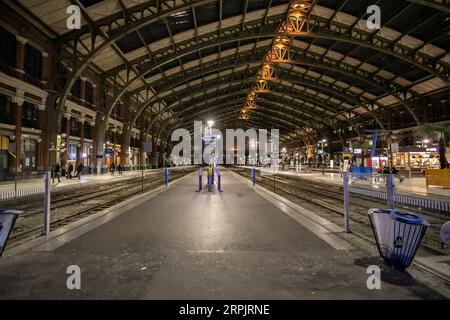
{"x":186,"y":41}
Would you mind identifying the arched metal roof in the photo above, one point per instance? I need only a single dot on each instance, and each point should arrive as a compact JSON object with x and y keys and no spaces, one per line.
{"x":191,"y":59}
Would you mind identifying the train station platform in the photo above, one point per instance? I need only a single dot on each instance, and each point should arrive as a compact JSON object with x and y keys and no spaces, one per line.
{"x":414,"y":186}
{"x":176,"y":243}
{"x":36,"y":185}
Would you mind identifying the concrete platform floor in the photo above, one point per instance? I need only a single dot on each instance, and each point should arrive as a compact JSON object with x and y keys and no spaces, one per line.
{"x":188,"y":245}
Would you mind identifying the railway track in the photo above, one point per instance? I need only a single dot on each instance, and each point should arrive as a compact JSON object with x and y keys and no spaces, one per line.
{"x":329,"y":198}
{"x":71,"y":204}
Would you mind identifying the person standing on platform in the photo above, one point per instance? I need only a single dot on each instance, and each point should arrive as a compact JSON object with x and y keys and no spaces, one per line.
{"x":79,"y":170}
{"x":112,"y":168}
{"x":69,"y":171}
{"x":396,"y":173}
{"x":119,"y":168}
{"x":166,"y":160}
{"x":56,"y":171}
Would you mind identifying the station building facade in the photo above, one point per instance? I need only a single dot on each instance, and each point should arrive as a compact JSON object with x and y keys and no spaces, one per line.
{"x":25,"y":84}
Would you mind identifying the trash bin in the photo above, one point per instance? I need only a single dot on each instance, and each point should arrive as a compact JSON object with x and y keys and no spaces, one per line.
{"x":7,"y":220}
{"x":398,"y":235}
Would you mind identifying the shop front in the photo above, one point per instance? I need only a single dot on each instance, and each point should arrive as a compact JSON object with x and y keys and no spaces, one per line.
{"x":134,"y":155}
{"x":29,"y":153}
{"x":86,"y":155}
{"x":72,"y":154}
{"x":417,"y":157}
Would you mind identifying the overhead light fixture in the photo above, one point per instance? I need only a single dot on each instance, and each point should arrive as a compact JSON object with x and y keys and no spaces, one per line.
{"x":261,"y":86}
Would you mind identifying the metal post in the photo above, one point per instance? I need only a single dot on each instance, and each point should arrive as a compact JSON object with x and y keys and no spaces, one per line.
{"x":409,"y":166}
{"x":47,"y":197}
{"x":212,"y":175}
{"x":166,"y":176}
{"x":346,"y":203}
{"x":15,"y":181}
{"x":390,"y":188}
{"x":274,"y":174}
{"x":200,"y":179}
{"x":209,"y":179}
{"x":142,"y":181}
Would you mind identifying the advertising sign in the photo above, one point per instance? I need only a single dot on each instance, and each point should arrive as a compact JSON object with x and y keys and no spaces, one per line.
{"x":147,"y":147}
{"x":4,"y":143}
{"x":108,"y":153}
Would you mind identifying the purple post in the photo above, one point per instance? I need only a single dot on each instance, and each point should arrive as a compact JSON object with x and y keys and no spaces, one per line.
{"x":219,"y":186}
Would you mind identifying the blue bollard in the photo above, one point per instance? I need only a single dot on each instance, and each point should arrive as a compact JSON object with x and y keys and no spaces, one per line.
{"x":166,"y":176}
{"x":219,"y":186}
{"x":254,"y":176}
{"x":210,"y":170}
{"x":200,"y":179}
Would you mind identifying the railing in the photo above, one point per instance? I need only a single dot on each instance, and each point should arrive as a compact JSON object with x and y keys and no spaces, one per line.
{"x":20,"y":193}
{"x":416,"y":201}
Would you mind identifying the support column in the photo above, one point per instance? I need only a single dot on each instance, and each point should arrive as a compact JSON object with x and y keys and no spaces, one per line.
{"x":46,"y":67}
{"x":100,"y":128}
{"x":52,"y":142}
{"x":154,"y":160}
{"x":142,"y":161}
{"x":126,"y":138}
{"x":66,"y":160}
{"x":40,"y":150}
{"x":80,"y":151}
{"x":17,"y":103}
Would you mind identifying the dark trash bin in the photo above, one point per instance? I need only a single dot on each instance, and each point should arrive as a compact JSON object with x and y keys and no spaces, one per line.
{"x":398,"y":235}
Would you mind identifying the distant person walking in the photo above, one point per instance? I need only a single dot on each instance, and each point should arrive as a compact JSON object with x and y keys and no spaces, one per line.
{"x":56,"y":172}
{"x":119,"y":168}
{"x":112,"y":168}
